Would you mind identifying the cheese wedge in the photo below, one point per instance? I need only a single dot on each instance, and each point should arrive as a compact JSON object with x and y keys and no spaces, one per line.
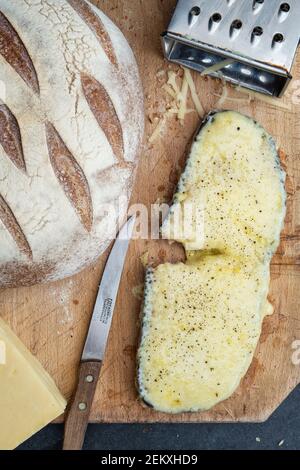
{"x":202,"y":319}
{"x":29,"y":399}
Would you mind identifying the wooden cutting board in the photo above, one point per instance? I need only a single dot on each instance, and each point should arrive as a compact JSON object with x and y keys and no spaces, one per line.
{"x":52,"y":320}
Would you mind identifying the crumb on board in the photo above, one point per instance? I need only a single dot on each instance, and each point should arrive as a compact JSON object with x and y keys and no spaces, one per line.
{"x":144,"y":258}
{"x":178,"y":87}
{"x":161,"y":73}
{"x":138,"y":291}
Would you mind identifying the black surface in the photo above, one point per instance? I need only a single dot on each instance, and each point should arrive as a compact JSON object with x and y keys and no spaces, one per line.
{"x":284,"y":424}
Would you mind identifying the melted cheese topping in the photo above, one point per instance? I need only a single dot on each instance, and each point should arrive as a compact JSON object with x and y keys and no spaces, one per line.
{"x":233,"y":175}
{"x":202,"y":320}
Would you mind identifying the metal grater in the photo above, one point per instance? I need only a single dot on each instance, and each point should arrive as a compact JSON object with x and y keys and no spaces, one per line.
{"x":260,"y":36}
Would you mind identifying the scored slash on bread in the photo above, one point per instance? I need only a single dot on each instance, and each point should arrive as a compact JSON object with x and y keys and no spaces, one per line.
{"x":102,"y":107}
{"x":71,"y":125}
{"x":201,"y":320}
{"x":70,"y":176}
{"x":11,"y":224}
{"x":84,"y":9}
{"x":15,"y":53}
{"x":10,"y":137}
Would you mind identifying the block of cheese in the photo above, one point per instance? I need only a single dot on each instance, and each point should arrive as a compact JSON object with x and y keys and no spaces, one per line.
{"x":202,"y":319}
{"x":29,"y":399}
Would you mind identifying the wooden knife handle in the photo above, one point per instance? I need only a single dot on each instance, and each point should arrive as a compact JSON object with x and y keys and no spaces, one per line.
{"x":80,"y":407}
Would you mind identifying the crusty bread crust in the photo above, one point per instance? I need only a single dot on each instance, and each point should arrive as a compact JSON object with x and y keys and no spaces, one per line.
{"x":71,"y":125}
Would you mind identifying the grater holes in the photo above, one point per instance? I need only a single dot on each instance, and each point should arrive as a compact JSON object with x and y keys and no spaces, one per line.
{"x":214,"y":22}
{"x":258,"y":31}
{"x":283,"y":12}
{"x":194,"y":15}
{"x":278,"y":38}
{"x":285,"y":7}
{"x":257,"y":5}
{"x":235,"y":28}
{"x":216,"y":17}
{"x":237,"y":24}
{"x":195,"y":11}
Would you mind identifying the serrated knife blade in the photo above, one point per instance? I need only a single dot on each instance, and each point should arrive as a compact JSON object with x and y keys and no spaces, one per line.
{"x":94,"y":349}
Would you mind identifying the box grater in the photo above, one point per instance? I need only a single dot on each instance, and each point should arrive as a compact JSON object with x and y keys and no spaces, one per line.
{"x":259,"y":36}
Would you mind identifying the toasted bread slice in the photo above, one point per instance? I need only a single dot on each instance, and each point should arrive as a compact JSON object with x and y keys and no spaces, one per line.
{"x":202,"y":319}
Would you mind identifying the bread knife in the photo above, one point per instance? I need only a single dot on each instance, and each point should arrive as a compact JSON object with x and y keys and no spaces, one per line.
{"x":93,"y":353}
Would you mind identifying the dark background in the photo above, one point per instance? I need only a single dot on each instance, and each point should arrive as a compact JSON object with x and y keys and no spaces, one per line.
{"x":284,"y":424}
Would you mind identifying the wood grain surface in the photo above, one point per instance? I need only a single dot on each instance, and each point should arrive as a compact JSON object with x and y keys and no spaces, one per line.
{"x":52,"y":320}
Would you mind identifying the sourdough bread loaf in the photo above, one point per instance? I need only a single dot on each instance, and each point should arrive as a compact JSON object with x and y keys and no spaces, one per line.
{"x":71,"y":123}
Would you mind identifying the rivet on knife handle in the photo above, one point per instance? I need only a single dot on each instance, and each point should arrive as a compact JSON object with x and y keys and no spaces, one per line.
{"x":80,"y":407}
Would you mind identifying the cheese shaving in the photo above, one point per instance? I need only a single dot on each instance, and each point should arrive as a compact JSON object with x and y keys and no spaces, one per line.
{"x":216,"y":67}
{"x":195,"y":97}
{"x":182,"y":99}
{"x":179,"y":95}
{"x":172,"y":81}
{"x":251,"y":95}
{"x":267,"y":99}
{"x":223,"y":96}
{"x":169,"y":90}
{"x":175,"y":111}
{"x":159,"y":128}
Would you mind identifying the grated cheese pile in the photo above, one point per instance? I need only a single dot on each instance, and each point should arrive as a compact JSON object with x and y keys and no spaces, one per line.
{"x":179,"y":95}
